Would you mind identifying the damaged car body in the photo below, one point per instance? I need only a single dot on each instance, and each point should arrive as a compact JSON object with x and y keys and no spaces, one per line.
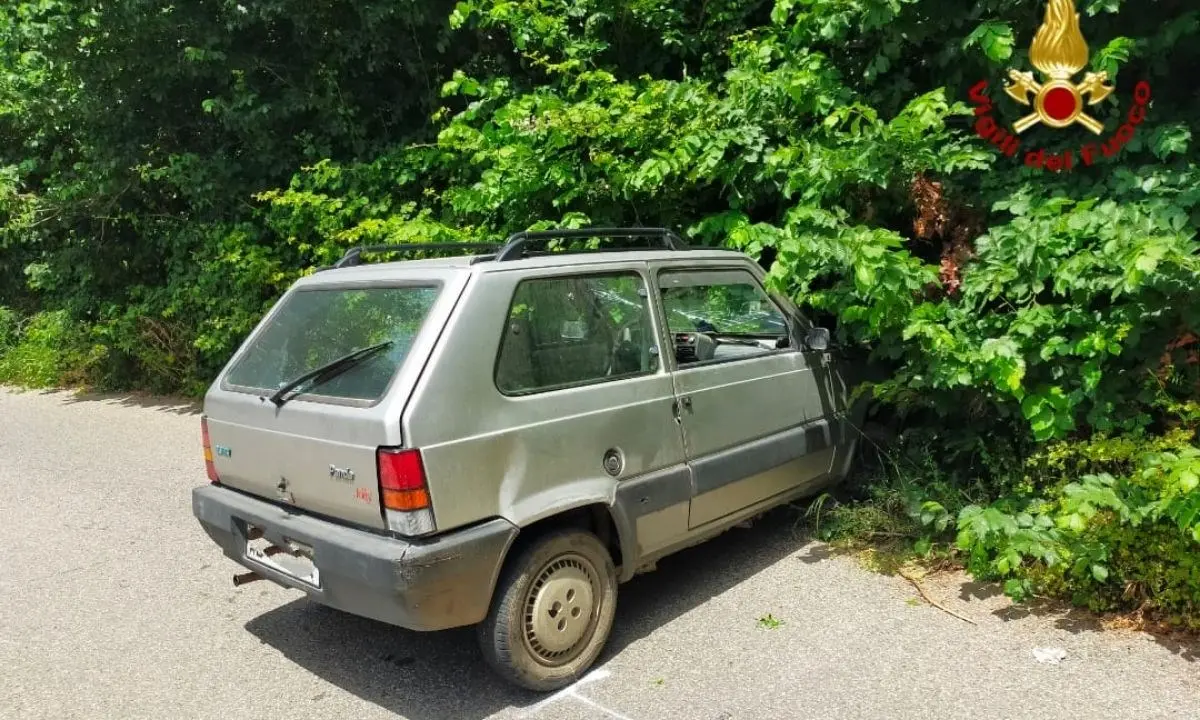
{"x":500,"y":435}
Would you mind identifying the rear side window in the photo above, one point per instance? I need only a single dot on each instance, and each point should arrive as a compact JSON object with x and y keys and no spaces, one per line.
{"x":575,"y":330}
{"x":317,"y":326}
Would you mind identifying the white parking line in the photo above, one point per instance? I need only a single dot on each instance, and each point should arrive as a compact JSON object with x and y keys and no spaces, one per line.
{"x":611,"y":713}
{"x":570,"y":691}
{"x":593,"y":676}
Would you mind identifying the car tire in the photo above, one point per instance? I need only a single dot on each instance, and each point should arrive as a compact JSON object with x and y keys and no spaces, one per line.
{"x":552,"y":611}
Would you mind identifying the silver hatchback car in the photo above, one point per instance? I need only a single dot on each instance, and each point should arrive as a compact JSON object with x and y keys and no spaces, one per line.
{"x":499,"y":439}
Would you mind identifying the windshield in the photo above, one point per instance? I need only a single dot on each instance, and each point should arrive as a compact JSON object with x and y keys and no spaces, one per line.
{"x":317,"y":326}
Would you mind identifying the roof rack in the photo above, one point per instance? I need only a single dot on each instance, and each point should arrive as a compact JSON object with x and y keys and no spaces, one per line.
{"x":353,"y":256}
{"x":516,"y":245}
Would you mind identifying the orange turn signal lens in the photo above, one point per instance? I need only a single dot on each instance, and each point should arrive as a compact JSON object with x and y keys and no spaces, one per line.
{"x":209,"y":467}
{"x":406,"y":499}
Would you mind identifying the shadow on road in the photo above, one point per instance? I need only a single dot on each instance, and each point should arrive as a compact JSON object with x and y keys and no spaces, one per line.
{"x":428,"y":676}
{"x":178,"y":406}
{"x":975,"y":590}
{"x":1065,"y":617}
{"x":1078,"y":620}
{"x":1187,"y":648}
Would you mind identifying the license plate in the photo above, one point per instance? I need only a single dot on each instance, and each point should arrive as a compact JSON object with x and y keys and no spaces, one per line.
{"x":295,"y":560}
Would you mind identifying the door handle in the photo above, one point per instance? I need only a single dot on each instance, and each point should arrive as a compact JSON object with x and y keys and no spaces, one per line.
{"x":684,"y":402}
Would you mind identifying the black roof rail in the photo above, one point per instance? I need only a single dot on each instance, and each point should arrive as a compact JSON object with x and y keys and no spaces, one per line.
{"x":515,"y":246}
{"x":353,"y":256}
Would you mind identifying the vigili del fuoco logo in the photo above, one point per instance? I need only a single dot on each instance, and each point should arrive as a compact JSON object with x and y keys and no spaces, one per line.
{"x":1059,"y":52}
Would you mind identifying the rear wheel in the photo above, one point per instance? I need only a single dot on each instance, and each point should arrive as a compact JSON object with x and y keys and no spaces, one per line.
{"x":552,"y":612}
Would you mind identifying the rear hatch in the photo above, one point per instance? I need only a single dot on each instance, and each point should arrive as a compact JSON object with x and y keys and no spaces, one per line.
{"x":317,"y":450}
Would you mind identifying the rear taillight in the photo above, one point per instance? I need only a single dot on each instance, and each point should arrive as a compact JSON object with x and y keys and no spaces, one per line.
{"x":403,"y":491}
{"x":208,"y":455}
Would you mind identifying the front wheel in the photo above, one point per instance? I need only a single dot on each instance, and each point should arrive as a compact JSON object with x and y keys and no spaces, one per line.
{"x":552,"y":612}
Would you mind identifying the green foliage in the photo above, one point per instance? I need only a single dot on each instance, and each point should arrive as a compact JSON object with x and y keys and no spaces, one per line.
{"x":1112,"y":522}
{"x":135,"y":135}
{"x":1109,"y":542}
{"x":769,"y":622}
{"x":45,"y":351}
{"x":994,"y":38}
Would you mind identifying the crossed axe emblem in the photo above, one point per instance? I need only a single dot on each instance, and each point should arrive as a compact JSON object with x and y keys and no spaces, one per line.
{"x":1058,"y":103}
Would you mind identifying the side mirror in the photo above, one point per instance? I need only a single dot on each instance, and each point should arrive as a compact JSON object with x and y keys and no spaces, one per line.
{"x":817,"y":338}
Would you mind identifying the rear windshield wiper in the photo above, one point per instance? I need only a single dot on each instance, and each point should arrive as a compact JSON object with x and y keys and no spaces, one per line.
{"x":328,"y":371}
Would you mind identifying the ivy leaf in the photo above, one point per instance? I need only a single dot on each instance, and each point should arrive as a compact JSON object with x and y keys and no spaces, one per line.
{"x":1110,"y":57}
{"x":781,"y":11}
{"x":1098,"y":6}
{"x":1075,"y":522}
{"x":1170,"y":139}
{"x":1099,"y":572}
{"x":994,"y":38}
{"x":1032,"y":406}
{"x":1188,"y":515}
{"x":864,"y":275}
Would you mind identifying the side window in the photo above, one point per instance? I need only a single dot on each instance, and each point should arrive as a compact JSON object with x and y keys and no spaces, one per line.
{"x":719,"y":314}
{"x":575,"y":330}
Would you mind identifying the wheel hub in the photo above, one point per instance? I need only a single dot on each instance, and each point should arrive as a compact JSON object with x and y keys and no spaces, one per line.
{"x":560,"y":609}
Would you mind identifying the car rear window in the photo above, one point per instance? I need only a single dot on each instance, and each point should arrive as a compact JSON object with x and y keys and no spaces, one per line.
{"x":316,"y":326}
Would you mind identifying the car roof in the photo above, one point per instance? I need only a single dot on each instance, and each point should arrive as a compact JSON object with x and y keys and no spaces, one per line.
{"x":484,"y":263}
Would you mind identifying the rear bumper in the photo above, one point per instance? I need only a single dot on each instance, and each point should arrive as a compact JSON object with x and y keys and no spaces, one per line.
{"x":436,"y":584}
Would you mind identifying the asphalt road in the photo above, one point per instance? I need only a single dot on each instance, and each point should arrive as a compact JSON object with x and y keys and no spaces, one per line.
{"x":113,"y":603}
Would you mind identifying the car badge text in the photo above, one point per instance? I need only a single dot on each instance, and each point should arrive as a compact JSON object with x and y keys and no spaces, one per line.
{"x":341,"y":474}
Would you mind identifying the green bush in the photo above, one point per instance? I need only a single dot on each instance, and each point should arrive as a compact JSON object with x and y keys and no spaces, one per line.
{"x":47,"y":350}
{"x":1109,"y":523}
{"x":8,"y":328}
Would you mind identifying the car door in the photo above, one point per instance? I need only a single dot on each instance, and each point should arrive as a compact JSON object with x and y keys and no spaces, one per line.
{"x":576,"y":408}
{"x":752,"y":410}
